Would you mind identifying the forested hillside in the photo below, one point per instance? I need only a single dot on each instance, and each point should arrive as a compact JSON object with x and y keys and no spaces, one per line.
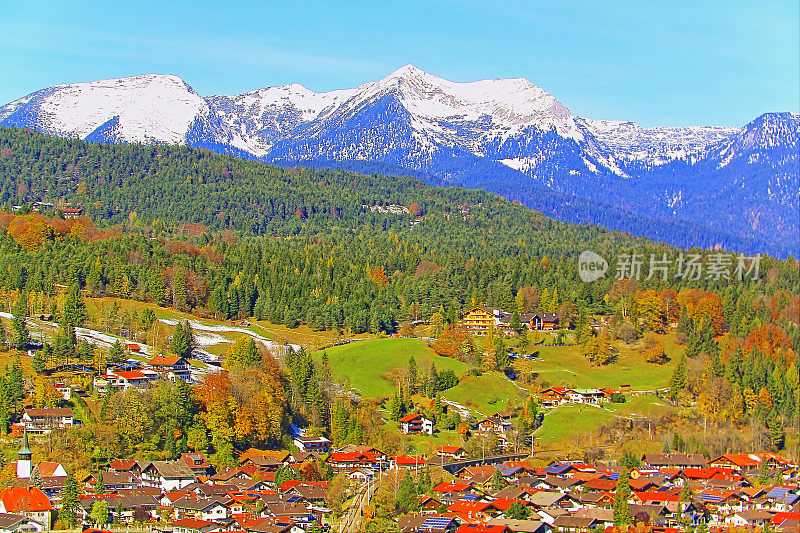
{"x":184,"y":227}
{"x":227,"y":238}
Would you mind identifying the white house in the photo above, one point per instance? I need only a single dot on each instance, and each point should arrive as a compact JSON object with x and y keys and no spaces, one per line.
{"x":312,"y":444}
{"x":43,"y":421}
{"x":201,"y":509}
{"x":167,"y":475}
{"x":416,"y":423}
{"x":15,"y":522}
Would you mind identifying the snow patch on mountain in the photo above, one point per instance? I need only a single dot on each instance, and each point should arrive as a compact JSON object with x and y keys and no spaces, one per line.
{"x":150,"y":108}
{"x":631,"y":143}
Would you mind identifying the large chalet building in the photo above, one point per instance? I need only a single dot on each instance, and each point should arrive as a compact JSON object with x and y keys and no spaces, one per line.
{"x":480,"y":320}
{"x":43,"y":421}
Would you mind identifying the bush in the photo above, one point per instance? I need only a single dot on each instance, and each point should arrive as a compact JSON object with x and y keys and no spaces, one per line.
{"x":617,"y":397}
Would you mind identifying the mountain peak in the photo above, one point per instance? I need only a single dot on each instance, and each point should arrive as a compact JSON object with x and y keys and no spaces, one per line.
{"x":407,"y":71}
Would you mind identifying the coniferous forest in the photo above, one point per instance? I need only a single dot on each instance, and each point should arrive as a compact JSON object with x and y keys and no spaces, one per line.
{"x":228,"y":238}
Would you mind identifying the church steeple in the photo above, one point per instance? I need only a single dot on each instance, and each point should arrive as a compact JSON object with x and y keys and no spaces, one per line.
{"x":24,"y":455}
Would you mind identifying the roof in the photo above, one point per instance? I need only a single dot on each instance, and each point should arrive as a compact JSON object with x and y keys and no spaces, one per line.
{"x":750,"y":459}
{"x":451,"y":487}
{"x":196,"y":504}
{"x":521,"y":526}
{"x":350,"y":457}
{"x":173,"y":469}
{"x":675,"y":459}
{"x":9,"y":521}
{"x":466,"y":506}
{"x":502,"y":504}
{"x":48,"y":468}
{"x":409,"y":460}
{"x":129,"y":374}
{"x":449,"y":449}
{"x":482,"y":528}
{"x":49,"y":413}
{"x":122,"y":465}
{"x":165,"y":360}
{"x":192,"y":523}
{"x":573,"y":521}
{"x":25,"y":499}
{"x":410,"y":417}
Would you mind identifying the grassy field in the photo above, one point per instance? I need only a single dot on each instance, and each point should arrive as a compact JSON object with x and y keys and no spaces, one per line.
{"x":566,"y":366}
{"x":572,"y":421}
{"x":369,"y":366}
{"x":487,"y":393}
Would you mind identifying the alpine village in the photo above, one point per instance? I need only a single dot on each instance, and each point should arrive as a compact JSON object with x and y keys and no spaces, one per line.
{"x":323,"y":290}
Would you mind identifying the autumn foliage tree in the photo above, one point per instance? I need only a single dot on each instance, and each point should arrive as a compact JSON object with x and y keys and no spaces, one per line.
{"x":455,"y":342}
{"x":245,"y":406}
{"x":703,"y":304}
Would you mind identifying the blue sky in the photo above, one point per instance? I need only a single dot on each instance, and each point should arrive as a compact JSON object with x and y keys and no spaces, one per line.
{"x":654,"y":62}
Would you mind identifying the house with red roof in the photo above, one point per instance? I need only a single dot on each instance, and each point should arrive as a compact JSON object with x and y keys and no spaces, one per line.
{"x":469,"y":507}
{"x":455,"y":453}
{"x":502,"y":504}
{"x":415,"y":423}
{"x":554,"y":396}
{"x":29,"y":502}
{"x":125,"y":465}
{"x":452,"y":486}
{"x":347,"y":461}
{"x":170,"y":367}
{"x":122,"y":380}
{"x":197,"y":463}
{"x":483,"y":528}
{"x":410,"y":461}
{"x":193,"y":525}
{"x":781,"y":519}
{"x":363,"y":448}
{"x":749,"y":463}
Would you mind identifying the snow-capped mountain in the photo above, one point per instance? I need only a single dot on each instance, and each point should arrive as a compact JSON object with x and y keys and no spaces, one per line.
{"x":507,"y":136}
{"x":141,"y":109}
{"x":634,"y":146}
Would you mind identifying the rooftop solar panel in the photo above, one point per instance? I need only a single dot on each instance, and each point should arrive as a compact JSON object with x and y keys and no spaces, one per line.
{"x":436,"y":522}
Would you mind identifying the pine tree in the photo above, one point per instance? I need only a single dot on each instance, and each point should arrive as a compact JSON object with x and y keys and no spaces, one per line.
{"x":501,"y":353}
{"x":776,"y":433}
{"x":412,"y":375}
{"x":19,"y":312}
{"x":622,"y":513}
{"x":677,"y":443}
{"x":39,"y":362}
{"x":763,"y":473}
{"x":36,"y":478}
{"x":407,"y":492}
{"x":74,"y":307}
{"x":182,"y":343}
{"x":678,"y":380}
{"x":116,"y":354}
{"x":514,"y":323}
{"x":69,"y":501}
